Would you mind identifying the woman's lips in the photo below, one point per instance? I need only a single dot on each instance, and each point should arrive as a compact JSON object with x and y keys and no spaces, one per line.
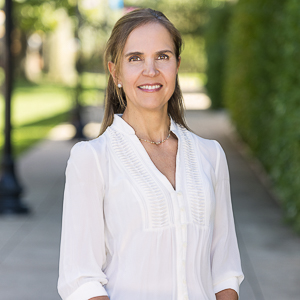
{"x":150,"y":87}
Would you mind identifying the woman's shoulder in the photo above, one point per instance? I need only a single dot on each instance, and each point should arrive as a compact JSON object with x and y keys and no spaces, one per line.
{"x":211,"y":149}
{"x":84,"y":149}
{"x":208,"y":144}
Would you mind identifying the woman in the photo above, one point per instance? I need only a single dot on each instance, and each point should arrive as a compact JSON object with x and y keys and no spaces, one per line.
{"x":147,"y":211}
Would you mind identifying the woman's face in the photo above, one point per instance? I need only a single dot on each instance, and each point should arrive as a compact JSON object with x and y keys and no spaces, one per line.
{"x":148,"y":67}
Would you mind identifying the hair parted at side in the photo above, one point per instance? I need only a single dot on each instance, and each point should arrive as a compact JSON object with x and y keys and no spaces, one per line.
{"x":115,"y":98}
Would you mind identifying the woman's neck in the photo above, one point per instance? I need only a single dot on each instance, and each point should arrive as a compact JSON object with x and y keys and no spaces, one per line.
{"x":150,"y":125}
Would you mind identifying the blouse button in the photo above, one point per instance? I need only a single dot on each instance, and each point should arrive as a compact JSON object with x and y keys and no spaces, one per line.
{"x":179,"y":194}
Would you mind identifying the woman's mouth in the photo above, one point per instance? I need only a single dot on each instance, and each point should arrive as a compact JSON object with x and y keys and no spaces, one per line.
{"x":150,"y":87}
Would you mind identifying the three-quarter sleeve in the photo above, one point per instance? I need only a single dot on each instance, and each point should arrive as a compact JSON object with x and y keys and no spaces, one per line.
{"x":225,"y":257}
{"x":82,"y":252}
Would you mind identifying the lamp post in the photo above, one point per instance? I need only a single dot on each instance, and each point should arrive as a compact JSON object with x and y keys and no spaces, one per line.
{"x":10,"y":189}
{"x":77,"y":112}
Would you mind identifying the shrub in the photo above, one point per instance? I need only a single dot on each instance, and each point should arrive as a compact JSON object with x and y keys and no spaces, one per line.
{"x":261,"y":90}
{"x":216,"y":48}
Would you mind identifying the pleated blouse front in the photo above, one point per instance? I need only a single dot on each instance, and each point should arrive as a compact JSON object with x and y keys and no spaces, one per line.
{"x":128,"y":234}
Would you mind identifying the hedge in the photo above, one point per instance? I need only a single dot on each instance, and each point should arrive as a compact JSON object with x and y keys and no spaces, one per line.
{"x":216,"y":48}
{"x":262,"y":93}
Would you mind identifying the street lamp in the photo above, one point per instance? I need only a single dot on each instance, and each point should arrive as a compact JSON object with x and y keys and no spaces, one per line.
{"x":10,"y":189}
{"x":77,"y":111}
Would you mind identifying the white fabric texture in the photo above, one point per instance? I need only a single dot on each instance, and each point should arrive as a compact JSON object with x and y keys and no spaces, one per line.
{"x":128,"y":234}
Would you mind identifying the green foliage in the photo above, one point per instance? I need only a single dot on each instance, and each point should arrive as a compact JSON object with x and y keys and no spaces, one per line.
{"x":216,"y":50}
{"x":34,"y":15}
{"x":261,"y":90}
{"x":287,"y":111}
{"x":92,"y":23}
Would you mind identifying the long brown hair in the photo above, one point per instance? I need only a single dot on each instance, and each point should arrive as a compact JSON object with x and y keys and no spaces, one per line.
{"x":115,"y":99}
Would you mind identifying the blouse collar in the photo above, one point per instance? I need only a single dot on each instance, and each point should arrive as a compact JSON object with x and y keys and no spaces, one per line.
{"x":120,"y":125}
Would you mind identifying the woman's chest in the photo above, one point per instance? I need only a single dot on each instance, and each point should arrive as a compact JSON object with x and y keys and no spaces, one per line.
{"x":163,"y":157}
{"x":139,"y":195}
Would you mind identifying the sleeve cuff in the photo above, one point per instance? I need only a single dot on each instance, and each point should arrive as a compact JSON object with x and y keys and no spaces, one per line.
{"x":230,"y":283}
{"x":88,"y":290}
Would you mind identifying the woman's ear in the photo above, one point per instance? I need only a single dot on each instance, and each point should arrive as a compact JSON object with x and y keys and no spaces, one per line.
{"x":112,"y":70}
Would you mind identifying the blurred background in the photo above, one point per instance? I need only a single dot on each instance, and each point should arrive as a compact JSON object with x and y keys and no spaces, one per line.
{"x":239,"y":74}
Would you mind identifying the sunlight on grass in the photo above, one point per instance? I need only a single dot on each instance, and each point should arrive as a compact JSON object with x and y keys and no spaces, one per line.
{"x":31,"y":102}
{"x":192,"y":81}
{"x":26,"y":136}
{"x":36,"y":109}
{"x":94,"y":80}
{"x":92,"y":97}
{"x":39,"y":105}
{"x":36,"y":102}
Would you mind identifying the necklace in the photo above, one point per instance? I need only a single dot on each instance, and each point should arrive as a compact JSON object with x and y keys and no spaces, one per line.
{"x":156,"y":143}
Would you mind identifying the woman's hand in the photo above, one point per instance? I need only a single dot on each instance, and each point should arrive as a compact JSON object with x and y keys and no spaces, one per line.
{"x":228,"y":294}
{"x":100,"y":298}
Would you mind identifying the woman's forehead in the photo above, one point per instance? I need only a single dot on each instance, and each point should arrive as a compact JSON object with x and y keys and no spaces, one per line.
{"x":151,"y":37}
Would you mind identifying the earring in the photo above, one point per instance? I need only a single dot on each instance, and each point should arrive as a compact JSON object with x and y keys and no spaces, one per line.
{"x":119,"y":85}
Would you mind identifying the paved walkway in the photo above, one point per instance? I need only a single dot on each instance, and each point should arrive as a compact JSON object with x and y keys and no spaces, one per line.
{"x":29,"y":246}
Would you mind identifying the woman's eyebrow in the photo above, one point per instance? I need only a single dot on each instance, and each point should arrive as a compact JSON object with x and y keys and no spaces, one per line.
{"x":141,"y":53}
{"x":164,"y":51}
{"x":133,"y":53}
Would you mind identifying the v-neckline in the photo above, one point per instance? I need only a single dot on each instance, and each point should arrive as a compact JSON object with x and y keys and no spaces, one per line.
{"x":149,"y":162}
{"x":120,"y":123}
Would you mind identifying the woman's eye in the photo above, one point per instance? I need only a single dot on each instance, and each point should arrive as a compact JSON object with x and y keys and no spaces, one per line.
{"x":134,"y":58}
{"x":163,"y":56}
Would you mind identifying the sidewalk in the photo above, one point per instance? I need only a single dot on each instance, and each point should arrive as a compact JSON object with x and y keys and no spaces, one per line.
{"x":29,"y":246}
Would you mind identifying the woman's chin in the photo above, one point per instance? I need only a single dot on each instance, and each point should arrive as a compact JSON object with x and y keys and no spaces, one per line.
{"x":148,"y":104}
{"x":153,"y":108}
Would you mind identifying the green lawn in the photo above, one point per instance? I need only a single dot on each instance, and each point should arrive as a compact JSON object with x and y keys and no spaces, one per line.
{"x":36,"y":109}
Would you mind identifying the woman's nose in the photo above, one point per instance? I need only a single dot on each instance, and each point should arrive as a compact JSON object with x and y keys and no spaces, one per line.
{"x":150,"y":68}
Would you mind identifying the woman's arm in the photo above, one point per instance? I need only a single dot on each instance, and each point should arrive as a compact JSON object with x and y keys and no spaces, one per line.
{"x":225,"y":258}
{"x":82,"y":251}
{"x":227,"y":294}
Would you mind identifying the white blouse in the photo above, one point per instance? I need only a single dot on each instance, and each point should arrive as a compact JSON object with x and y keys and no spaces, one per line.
{"x":128,"y":234}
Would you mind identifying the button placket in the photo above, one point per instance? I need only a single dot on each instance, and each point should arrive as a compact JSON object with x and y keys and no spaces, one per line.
{"x":182,"y":243}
